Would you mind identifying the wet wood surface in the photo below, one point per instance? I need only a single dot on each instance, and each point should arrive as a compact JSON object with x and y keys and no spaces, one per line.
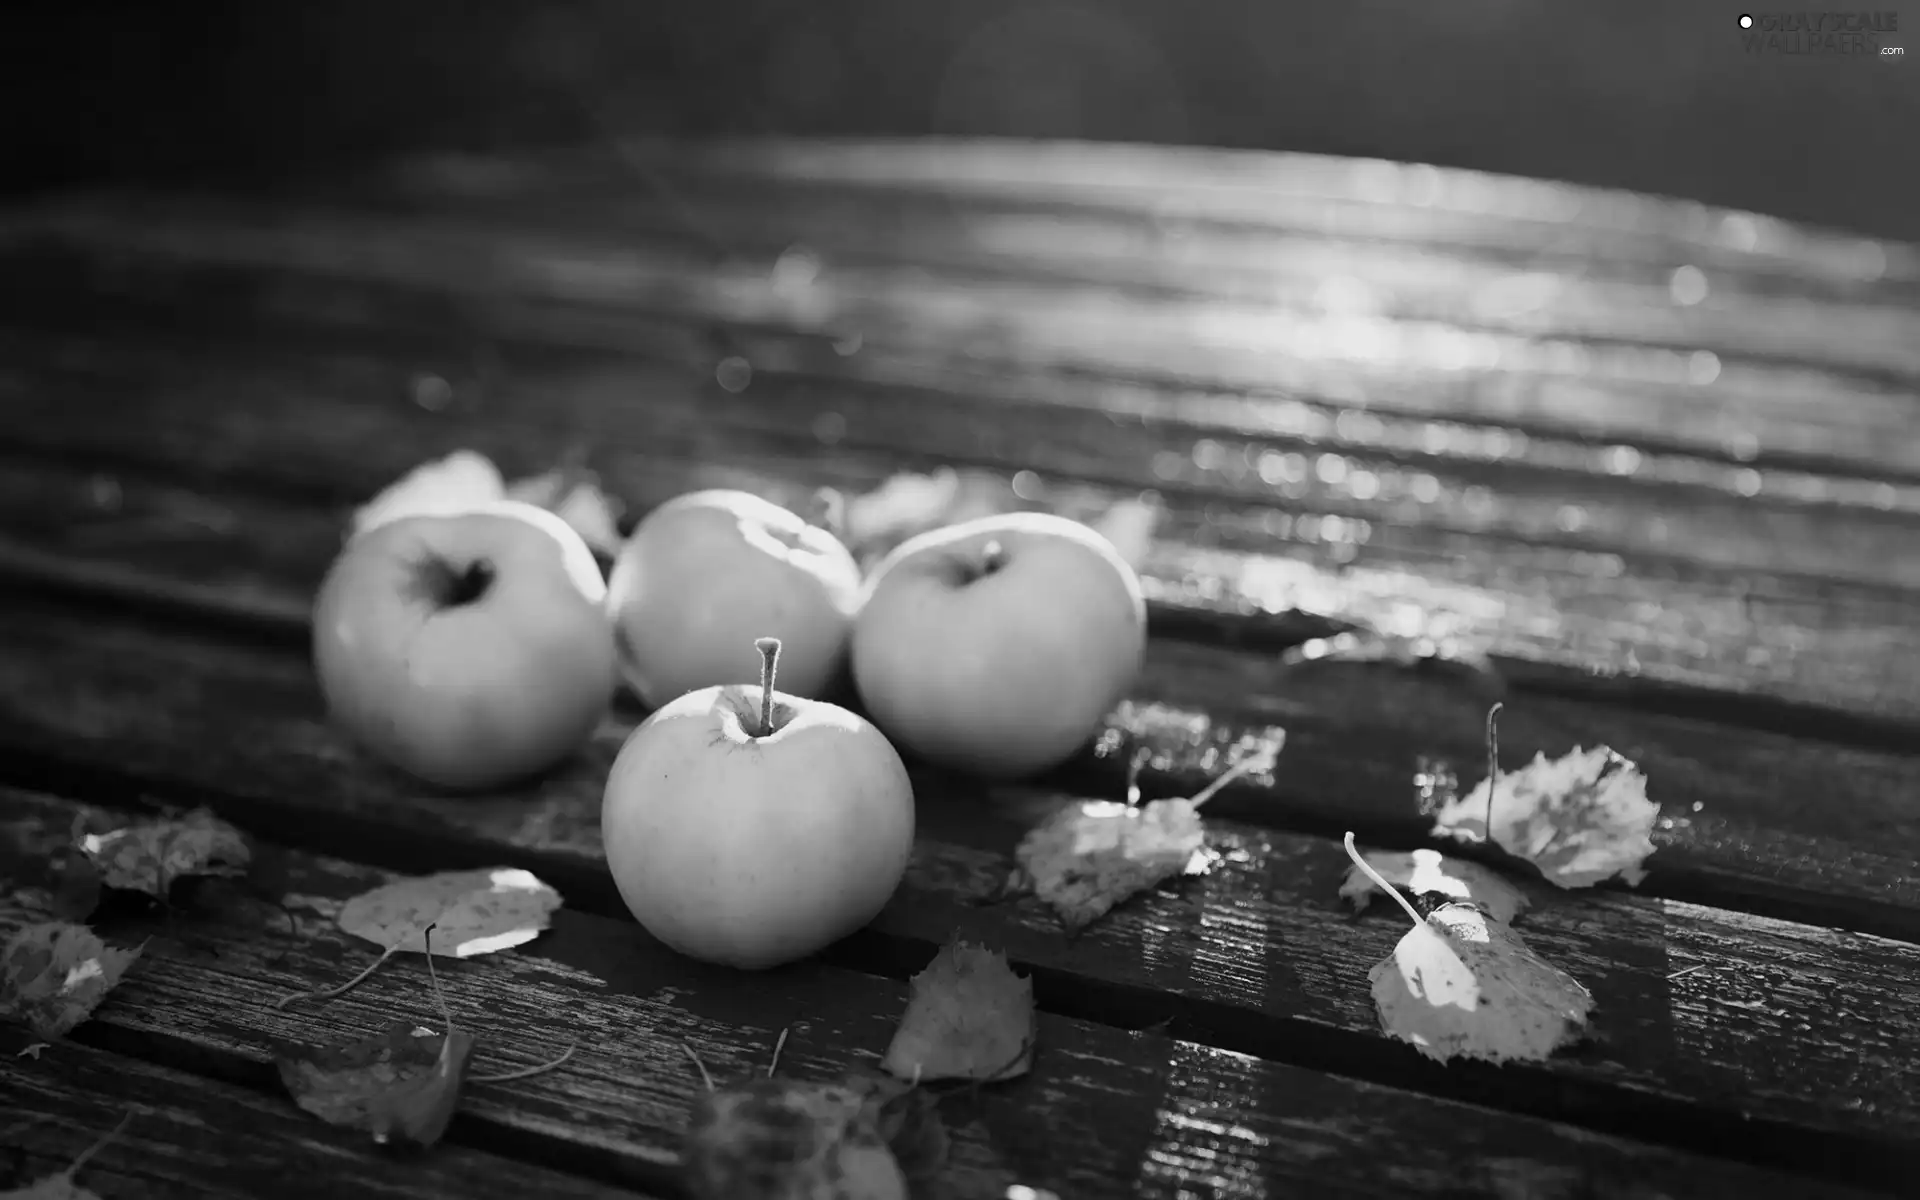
{"x":1648,"y":473}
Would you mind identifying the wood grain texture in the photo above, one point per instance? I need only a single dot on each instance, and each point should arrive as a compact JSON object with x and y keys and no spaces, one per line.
{"x":191,"y":1137}
{"x":1738,"y":830}
{"x":1661,"y":632}
{"x":1259,"y":957}
{"x":1143,"y":1115}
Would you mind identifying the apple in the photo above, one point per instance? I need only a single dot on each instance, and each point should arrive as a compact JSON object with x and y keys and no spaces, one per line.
{"x":997,"y":645}
{"x":706,"y":572}
{"x":749,"y":827}
{"x":469,"y":650}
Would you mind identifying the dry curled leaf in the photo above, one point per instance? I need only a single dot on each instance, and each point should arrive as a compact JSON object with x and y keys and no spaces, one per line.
{"x":1129,"y":526}
{"x":401,"y":1086}
{"x":575,"y":496}
{"x":1431,"y":873}
{"x":859,"y":1138}
{"x":461,"y":482}
{"x":1581,"y":819}
{"x":968,"y":1017}
{"x":466,"y":480}
{"x":148,"y":856}
{"x":61,"y":1186}
{"x":1461,"y":984}
{"x":1093,"y":854}
{"x":53,"y":974}
{"x":910,"y":503}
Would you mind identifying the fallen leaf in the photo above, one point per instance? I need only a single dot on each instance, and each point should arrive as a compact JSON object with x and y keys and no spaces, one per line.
{"x":1462,"y":984}
{"x":470,"y":913}
{"x":53,"y":974}
{"x":461,"y":482}
{"x":149,"y":856}
{"x":968,"y":1017}
{"x":62,"y":1185}
{"x":1094,"y":854}
{"x":911,"y":503}
{"x":400,"y":1086}
{"x":574,"y":495}
{"x":1129,"y":526}
{"x":909,"y":1119}
{"x":780,"y":1139}
{"x":31,"y":1051}
{"x":1581,"y":818}
{"x":1431,"y":873}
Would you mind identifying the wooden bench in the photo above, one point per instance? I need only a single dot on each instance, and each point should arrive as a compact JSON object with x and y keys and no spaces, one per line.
{"x":1647,"y":473}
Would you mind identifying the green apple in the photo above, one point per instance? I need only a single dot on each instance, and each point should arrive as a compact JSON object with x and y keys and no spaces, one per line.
{"x":997,"y":645}
{"x":706,"y":573}
{"x":470,"y":650}
{"x":749,"y":827}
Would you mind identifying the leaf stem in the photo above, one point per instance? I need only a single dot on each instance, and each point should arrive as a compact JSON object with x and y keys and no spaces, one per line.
{"x":343,"y":989}
{"x":97,"y":1147}
{"x":525,"y":1072}
{"x":1256,"y":760}
{"x":769,"y":649}
{"x":433,"y":977}
{"x":698,"y":1065}
{"x":777,"y":1048}
{"x":1380,"y":881}
{"x":1493,"y":761}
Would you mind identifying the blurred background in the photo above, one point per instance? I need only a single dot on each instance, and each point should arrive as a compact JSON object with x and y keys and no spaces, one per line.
{"x":1651,"y":95}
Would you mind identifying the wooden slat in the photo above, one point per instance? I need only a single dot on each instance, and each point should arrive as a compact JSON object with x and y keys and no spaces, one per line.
{"x":1339,"y":197}
{"x":192,"y":1137}
{"x":1739,"y":832}
{"x":1802,"y":1032}
{"x":1102,"y":1113}
{"x":1555,"y":614}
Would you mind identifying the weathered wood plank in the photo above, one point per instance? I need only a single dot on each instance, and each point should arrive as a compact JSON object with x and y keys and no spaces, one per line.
{"x":1110,"y":239}
{"x":1325,"y":196}
{"x":1552,"y":615}
{"x":1738,"y":831}
{"x":1545,"y":295}
{"x":1259,"y":957}
{"x":1104,"y":1113}
{"x":192,"y":1137}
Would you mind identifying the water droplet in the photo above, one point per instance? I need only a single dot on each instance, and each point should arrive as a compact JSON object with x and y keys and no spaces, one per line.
{"x":1688,"y":286}
{"x":431,"y":392}
{"x":103,"y":491}
{"x":1739,"y":232}
{"x":1571,"y":518}
{"x":1208,"y":454}
{"x":796,"y":269}
{"x":1027,"y":485}
{"x":1363,"y":485}
{"x":1747,"y":482}
{"x":829,"y":428}
{"x":1424,"y":488}
{"x":734,"y":373}
{"x":1623,"y":460}
{"x":1331,"y":468}
{"x":1168,"y":465}
{"x":847,"y":346}
{"x":1703,"y":367}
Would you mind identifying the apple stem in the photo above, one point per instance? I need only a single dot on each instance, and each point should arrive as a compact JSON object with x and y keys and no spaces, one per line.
{"x":1493,"y":762}
{"x":993,"y":556}
{"x":769,"y":649}
{"x":1380,"y":881}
